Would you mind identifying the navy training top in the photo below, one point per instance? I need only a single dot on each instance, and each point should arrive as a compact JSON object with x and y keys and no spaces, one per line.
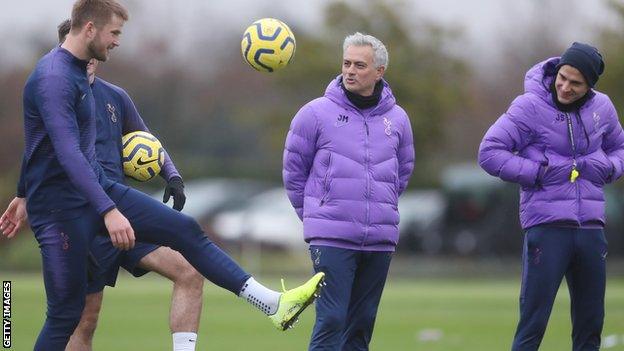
{"x":116,"y":116}
{"x":60,"y":171}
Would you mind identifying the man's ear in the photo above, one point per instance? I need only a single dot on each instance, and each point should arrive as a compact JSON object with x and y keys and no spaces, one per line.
{"x":90,"y":29}
{"x":380,"y":72}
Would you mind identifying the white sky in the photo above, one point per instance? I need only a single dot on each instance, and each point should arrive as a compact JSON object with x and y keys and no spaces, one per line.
{"x":483,"y":21}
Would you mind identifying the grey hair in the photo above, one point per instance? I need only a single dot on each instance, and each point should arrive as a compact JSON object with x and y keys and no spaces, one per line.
{"x":380,"y":54}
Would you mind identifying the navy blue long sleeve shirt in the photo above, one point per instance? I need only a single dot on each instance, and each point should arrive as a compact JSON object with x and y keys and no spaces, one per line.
{"x":116,"y":116}
{"x":61,"y":171}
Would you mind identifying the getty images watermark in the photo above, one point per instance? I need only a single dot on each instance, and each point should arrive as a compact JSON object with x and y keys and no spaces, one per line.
{"x":6,"y":314}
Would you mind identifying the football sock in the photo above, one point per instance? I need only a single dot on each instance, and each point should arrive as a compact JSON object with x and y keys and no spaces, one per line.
{"x":263,"y":298}
{"x":184,"y":341}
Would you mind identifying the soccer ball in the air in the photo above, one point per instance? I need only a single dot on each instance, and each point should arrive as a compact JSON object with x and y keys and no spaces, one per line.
{"x":143,"y":155}
{"x":268,"y":45}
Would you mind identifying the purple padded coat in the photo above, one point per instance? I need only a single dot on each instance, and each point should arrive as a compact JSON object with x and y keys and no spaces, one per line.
{"x":531,"y":144}
{"x":345,"y":168}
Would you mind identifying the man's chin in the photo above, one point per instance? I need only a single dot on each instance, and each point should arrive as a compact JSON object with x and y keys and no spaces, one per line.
{"x":102,"y":58}
{"x":350,"y":87}
{"x":566,"y":101}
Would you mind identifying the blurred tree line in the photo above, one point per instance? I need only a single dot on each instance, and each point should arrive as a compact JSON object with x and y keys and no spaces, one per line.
{"x":219,"y":117}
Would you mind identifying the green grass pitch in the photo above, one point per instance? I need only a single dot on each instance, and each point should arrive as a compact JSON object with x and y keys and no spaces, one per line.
{"x":415,"y":314}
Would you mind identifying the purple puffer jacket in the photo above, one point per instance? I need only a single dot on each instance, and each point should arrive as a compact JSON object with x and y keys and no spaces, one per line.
{"x":531,"y":145}
{"x":344,"y":170}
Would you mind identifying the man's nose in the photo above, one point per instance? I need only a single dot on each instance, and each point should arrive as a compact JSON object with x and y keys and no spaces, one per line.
{"x":565,"y":86}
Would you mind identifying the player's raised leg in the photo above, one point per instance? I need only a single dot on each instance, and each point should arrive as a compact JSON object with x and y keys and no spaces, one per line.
{"x":186,"y":299}
{"x":156,"y":223}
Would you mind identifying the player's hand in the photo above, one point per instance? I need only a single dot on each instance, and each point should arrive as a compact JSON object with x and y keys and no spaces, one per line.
{"x":119,"y":229}
{"x":14,"y":217}
{"x":175,"y":188}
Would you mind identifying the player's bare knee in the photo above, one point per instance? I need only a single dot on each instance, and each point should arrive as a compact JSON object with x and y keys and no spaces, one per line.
{"x":191,"y":278}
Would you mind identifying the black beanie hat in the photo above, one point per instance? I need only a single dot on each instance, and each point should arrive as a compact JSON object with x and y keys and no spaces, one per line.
{"x":586,"y":59}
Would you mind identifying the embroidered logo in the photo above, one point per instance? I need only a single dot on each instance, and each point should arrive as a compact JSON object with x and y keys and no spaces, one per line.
{"x":537,"y":256}
{"x":341,"y":120}
{"x":596,"y":118}
{"x":111,"y":110}
{"x":65,"y":243}
{"x":316,"y":257}
{"x":388,"y":124}
{"x":560,"y":117}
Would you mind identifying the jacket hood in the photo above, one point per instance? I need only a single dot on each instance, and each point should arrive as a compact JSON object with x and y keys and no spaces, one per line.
{"x":539,"y":78}
{"x":335,"y":93}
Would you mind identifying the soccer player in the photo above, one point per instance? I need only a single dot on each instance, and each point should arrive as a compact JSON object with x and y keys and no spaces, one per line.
{"x":348,"y":158}
{"x":562,"y":142}
{"x":117,"y":115}
{"x":69,"y":199}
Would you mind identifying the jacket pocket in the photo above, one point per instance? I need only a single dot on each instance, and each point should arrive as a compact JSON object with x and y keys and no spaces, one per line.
{"x":326,"y":181}
{"x":596,"y":167}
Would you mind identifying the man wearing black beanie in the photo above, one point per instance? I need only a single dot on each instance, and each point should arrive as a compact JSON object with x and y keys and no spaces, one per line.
{"x":562,"y":142}
{"x":586,"y":59}
{"x":577,"y":72}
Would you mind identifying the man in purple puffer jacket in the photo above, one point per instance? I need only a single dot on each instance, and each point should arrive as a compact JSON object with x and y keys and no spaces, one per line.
{"x":348,"y":157}
{"x":562,"y":142}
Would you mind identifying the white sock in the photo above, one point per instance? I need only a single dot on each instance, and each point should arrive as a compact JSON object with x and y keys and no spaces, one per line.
{"x":184,"y":341}
{"x":263,"y":298}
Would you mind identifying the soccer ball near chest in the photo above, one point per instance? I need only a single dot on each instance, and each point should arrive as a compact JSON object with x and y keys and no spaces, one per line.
{"x":143,"y":155}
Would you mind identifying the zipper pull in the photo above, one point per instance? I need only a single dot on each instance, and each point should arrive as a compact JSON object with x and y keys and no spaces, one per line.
{"x":574,"y":174}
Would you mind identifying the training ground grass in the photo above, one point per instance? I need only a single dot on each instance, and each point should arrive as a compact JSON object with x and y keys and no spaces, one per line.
{"x":415,"y":314}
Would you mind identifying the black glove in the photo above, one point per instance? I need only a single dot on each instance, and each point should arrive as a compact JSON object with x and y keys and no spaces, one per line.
{"x":175,"y":188}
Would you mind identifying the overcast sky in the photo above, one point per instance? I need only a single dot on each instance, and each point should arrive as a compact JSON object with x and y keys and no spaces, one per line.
{"x":483,"y":21}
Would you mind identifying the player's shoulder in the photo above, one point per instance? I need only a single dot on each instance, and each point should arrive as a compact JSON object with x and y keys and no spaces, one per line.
{"x":104,"y":84}
{"x":60,"y":62}
{"x":111,"y":88}
{"x":54,"y":72}
{"x":53,"y":65}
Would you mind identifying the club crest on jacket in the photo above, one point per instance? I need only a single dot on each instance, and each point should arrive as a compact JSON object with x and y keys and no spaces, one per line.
{"x":388,"y":125}
{"x":111,"y":110}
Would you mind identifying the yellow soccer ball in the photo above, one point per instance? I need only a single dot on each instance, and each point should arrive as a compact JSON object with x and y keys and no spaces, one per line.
{"x":143,"y":155}
{"x":268,"y":45}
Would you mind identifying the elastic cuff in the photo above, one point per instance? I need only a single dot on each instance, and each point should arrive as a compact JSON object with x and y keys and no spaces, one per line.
{"x":107,"y":210}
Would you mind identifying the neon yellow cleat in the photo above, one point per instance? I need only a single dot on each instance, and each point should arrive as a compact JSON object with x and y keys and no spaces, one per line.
{"x":293,"y":302}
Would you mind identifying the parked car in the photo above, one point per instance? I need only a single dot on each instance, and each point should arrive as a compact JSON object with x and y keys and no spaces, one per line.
{"x":266,"y":219}
{"x":481,"y":216}
{"x":422,"y":216}
{"x":207,"y":197}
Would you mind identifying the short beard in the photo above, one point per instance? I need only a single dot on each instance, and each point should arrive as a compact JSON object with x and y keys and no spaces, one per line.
{"x":94,"y":53}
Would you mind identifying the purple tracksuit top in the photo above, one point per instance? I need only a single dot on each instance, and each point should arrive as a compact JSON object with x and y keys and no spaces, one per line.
{"x":345,"y":168}
{"x":536,"y":145}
